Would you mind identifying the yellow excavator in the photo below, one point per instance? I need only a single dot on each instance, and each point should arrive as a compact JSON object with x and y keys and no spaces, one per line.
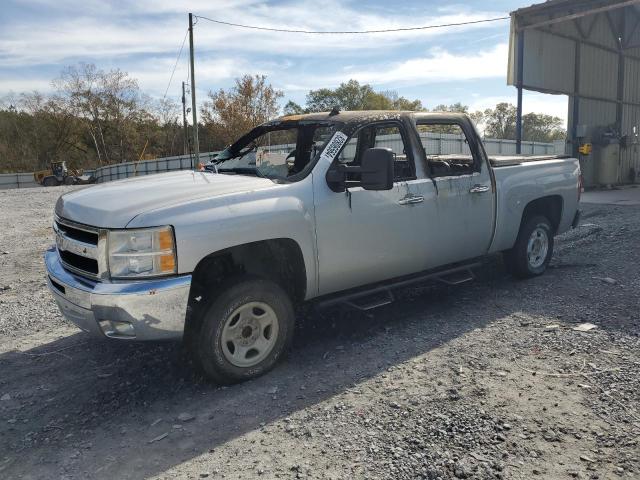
{"x":59,"y":174}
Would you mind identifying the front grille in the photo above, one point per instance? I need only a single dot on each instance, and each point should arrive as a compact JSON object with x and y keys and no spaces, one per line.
{"x":81,"y":263}
{"x":79,"y":247}
{"x":80,"y":235}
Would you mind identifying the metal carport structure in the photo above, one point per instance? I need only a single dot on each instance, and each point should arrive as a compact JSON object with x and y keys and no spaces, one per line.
{"x":590,"y":51}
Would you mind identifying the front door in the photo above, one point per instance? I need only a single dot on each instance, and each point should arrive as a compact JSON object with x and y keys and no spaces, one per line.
{"x":367,"y":236}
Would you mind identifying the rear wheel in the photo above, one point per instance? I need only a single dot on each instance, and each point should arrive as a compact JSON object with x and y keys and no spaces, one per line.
{"x":69,"y":180}
{"x":245,"y":331}
{"x":533,"y":249}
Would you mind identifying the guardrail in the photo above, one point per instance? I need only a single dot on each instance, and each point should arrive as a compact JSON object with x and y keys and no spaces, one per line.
{"x":148,"y":167}
{"x":435,"y":143}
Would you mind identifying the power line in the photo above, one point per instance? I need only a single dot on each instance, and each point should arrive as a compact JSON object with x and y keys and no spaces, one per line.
{"x":335,"y":32}
{"x":175,"y":65}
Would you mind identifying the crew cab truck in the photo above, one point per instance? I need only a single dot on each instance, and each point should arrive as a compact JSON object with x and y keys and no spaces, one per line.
{"x":326,"y":207}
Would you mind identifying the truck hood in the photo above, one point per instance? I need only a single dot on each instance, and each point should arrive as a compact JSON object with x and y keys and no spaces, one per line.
{"x":115,"y":204}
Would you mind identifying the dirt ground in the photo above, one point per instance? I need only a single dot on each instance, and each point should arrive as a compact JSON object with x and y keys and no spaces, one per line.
{"x":486,"y":380}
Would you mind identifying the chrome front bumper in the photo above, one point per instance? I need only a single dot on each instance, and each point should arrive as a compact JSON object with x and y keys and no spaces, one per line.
{"x":136,"y":310}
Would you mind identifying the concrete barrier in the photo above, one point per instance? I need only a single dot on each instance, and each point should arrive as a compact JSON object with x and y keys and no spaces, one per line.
{"x":17,"y":180}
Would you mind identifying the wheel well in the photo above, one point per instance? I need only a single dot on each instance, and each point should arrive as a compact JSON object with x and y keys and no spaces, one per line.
{"x":279,"y":260}
{"x":550,"y":207}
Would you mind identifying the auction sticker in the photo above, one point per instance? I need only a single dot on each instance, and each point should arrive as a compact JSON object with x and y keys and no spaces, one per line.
{"x":333,"y":147}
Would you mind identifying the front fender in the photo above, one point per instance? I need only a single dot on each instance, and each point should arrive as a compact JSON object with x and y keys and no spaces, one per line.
{"x":206,"y":226}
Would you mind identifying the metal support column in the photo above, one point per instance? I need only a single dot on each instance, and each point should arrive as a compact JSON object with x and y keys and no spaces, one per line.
{"x":519,"y":78}
{"x":196,"y":144}
{"x":620,"y":86}
{"x":620,"y":95}
{"x":575,"y":116}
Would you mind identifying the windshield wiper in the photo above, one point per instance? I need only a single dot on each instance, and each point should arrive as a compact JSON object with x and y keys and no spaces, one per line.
{"x":240,"y":155}
{"x":241,"y":170}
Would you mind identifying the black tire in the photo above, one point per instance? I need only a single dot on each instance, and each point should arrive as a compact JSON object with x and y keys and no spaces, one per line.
{"x":50,"y":182}
{"x":69,"y":180}
{"x":244,"y":290}
{"x":518,"y":261}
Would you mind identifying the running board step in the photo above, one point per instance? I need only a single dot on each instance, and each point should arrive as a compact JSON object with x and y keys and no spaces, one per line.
{"x":371,"y":301}
{"x":380,"y":295}
{"x":457,"y":278}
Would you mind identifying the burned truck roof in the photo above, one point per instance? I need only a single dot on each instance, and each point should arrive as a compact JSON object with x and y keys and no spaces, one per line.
{"x":365,"y":116}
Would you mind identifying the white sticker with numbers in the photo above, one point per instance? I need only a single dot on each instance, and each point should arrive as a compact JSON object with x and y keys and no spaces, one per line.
{"x":333,"y":147}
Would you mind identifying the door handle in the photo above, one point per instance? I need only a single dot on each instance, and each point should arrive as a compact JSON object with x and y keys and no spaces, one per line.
{"x":479,"y":188}
{"x":411,"y":199}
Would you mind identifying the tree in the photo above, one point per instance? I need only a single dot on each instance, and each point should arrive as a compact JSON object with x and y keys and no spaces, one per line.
{"x":111,"y":107}
{"x":348,"y":96}
{"x":35,"y":130}
{"x":454,"y":108}
{"x":228,"y":113}
{"x":54,"y":130}
{"x":164,"y":130}
{"x":500,"y":122}
{"x":292,"y":108}
{"x":401,"y":103}
{"x":539,"y":127}
{"x":352,"y":96}
{"x":458,"y":107}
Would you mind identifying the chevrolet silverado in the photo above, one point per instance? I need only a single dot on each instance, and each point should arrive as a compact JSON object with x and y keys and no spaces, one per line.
{"x":338,"y":207}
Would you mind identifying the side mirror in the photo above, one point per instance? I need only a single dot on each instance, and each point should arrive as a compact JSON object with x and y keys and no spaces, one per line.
{"x":375,"y":171}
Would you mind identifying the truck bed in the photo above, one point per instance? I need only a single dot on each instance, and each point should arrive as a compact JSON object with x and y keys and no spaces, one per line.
{"x":495,"y":160}
{"x":507,"y":160}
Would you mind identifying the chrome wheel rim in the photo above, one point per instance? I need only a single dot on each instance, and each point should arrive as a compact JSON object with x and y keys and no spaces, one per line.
{"x":249,"y":334}
{"x":538,"y":247}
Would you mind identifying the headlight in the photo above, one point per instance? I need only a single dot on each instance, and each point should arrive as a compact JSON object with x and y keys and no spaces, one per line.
{"x":147,"y":252}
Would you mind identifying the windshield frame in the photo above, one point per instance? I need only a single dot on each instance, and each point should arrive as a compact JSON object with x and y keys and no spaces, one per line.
{"x":233,"y":150}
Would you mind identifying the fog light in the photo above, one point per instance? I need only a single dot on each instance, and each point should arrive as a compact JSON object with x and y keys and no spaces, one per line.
{"x":115,"y":328}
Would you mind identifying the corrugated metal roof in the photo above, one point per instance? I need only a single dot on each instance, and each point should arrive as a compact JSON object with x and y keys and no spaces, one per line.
{"x":631,"y":80}
{"x":547,"y":49}
{"x":601,"y":31}
{"x":550,"y":49}
{"x":598,"y":73}
{"x":549,"y":62}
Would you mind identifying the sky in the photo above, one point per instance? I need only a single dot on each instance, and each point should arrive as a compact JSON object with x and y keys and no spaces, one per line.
{"x":467,"y":64}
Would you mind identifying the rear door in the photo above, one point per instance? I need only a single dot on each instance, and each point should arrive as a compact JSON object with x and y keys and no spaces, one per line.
{"x":457,"y":218}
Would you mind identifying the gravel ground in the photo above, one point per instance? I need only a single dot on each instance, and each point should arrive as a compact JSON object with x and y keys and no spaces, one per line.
{"x":486,"y":380}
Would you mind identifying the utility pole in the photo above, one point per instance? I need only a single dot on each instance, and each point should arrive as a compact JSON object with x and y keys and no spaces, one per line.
{"x":184,"y":121}
{"x":196,"y":145}
{"x":519,"y":81}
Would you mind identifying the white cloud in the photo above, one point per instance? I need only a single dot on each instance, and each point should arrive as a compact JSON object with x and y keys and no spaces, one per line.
{"x":20,"y":85}
{"x":153,"y":74}
{"x":148,"y":27}
{"x":143,"y":38}
{"x":438,"y":66}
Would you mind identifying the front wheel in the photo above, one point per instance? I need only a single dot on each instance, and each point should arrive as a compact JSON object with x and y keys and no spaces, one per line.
{"x":245,"y":331}
{"x":50,"y":182}
{"x":533,"y":249}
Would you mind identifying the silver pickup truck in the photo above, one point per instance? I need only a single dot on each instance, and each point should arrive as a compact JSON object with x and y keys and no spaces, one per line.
{"x":328,"y":207}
